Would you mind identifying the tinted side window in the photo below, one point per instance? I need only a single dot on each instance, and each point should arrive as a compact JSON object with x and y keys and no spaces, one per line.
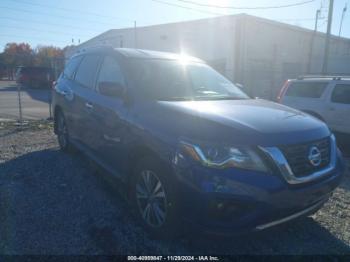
{"x":306,"y":89}
{"x":341,"y":94}
{"x":71,"y":66}
{"x":87,"y":71}
{"x":111,"y":72}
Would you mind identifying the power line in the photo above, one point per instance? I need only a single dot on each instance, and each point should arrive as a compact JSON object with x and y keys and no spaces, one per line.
{"x":202,"y":11}
{"x":73,"y":10}
{"x":246,"y":7}
{"x":61,"y":16}
{"x":187,"y":8}
{"x":46,"y":23}
{"x":298,"y":19}
{"x":45,"y":31}
{"x":34,"y":37}
{"x":324,"y":23}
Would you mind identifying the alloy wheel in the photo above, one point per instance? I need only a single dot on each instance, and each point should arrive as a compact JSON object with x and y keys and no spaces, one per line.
{"x":151,"y":199}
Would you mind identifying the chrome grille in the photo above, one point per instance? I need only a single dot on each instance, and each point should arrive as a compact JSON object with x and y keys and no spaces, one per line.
{"x":297,"y":157}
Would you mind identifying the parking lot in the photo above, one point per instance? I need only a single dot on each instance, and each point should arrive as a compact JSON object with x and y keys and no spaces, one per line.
{"x":57,"y":203}
{"x":35,"y":102}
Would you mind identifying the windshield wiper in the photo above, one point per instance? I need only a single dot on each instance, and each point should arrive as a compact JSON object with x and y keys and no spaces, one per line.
{"x":176,"y":98}
{"x":202,"y":98}
{"x":219,"y":98}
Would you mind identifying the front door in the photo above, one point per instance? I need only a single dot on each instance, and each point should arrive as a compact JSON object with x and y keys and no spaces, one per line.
{"x":85,"y":95}
{"x":65,"y":90}
{"x":109,"y":115}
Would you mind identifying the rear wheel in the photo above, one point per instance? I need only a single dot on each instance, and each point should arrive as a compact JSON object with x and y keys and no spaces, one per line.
{"x":154,"y":199}
{"x":62,"y":133}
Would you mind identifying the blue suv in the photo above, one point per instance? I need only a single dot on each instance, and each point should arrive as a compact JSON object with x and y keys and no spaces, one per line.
{"x":188,"y":146}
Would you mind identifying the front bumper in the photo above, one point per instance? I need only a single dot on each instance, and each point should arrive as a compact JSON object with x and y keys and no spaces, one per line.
{"x":306,"y":211}
{"x":232,"y":202}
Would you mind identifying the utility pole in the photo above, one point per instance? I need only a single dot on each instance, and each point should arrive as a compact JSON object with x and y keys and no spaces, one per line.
{"x":135,"y":35}
{"x":20,"y":122}
{"x":342,"y":18}
{"x":318,"y":11}
{"x":329,"y":27}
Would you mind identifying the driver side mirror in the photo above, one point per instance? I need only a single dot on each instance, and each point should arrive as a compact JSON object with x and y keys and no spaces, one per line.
{"x":111,"y":89}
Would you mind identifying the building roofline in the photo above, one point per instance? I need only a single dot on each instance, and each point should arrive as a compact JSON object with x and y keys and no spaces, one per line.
{"x":235,"y":16}
{"x":160,"y":25}
{"x":294,"y":27}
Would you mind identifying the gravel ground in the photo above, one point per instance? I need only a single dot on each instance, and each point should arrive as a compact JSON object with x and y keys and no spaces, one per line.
{"x":56,"y":203}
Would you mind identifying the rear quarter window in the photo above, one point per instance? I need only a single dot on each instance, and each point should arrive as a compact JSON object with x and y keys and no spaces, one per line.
{"x":341,"y":94}
{"x":306,"y":89}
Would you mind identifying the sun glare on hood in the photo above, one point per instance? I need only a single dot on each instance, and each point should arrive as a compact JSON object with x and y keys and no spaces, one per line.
{"x":184,"y":59}
{"x":204,"y":106}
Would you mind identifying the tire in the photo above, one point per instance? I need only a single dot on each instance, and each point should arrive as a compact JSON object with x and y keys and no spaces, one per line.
{"x":157,"y":211}
{"x":62,"y":133}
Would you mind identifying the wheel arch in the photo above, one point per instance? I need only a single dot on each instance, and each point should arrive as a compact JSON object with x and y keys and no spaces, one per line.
{"x":136,"y":154}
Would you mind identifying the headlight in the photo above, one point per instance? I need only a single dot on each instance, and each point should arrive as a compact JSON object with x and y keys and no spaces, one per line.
{"x":225,"y":156}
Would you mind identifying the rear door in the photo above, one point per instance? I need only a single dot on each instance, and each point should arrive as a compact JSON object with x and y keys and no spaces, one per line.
{"x":84,"y":96}
{"x":309,"y":96}
{"x":338,"y":108}
{"x":109,"y":116}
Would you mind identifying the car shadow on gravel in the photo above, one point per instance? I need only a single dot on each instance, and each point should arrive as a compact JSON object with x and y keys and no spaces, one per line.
{"x":43,"y":95}
{"x":56,"y":203}
{"x":39,"y":94}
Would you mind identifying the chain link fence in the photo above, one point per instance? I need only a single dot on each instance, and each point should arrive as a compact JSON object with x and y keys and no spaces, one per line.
{"x":27,"y":96}
{"x":22,"y":103}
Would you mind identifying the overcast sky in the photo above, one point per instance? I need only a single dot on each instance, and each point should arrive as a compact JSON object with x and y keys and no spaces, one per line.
{"x":50,"y":22}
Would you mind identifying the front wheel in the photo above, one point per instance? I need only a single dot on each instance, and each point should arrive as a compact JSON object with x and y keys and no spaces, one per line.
{"x":154,"y":199}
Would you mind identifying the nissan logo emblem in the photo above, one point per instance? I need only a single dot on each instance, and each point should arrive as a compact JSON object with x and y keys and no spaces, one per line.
{"x":315,"y":156}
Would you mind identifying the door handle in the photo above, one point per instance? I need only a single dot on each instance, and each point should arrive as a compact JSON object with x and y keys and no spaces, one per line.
{"x":68,"y":94}
{"x":89,"y":106}
{"x":64,"y":92}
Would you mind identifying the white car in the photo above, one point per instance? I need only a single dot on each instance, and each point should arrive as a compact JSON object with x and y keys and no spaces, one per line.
{"x":327,"y":98}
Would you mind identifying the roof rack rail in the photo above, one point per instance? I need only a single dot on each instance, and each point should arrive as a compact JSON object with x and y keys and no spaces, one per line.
{"x":94,"y":47}
{"x":334,"y":77}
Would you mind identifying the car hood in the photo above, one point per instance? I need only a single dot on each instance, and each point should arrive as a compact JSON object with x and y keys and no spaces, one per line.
{"x":251,"y":121}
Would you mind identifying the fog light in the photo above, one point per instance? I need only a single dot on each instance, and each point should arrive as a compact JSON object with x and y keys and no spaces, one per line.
{"x":226,"y":210}
{"x":220,"y":206}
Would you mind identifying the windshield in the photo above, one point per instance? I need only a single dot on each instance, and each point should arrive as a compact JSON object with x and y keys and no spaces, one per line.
{"x":172,"y":80}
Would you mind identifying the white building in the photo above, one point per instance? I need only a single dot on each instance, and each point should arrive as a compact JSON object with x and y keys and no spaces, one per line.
{"x":256,"y":52}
